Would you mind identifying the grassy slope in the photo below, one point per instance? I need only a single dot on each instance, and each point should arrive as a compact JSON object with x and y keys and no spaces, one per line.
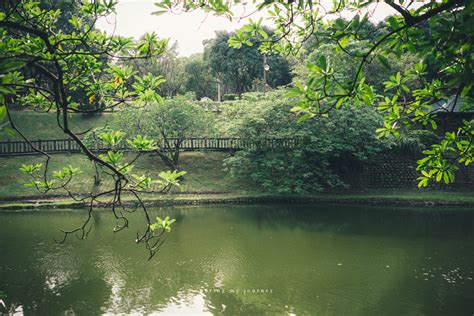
{"x":44,"y":126}
{"x":205,"y":173}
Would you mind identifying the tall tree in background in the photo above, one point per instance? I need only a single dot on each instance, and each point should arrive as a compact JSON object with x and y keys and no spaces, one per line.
{"x":171,"y":68}
{"x":238,"y":68}
{"x":235,"y":68}
{"x":168,"y":66}
{"x":69,"y":9}
{"x":199,"y":78}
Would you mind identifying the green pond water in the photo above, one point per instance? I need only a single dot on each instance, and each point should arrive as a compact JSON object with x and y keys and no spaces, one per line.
{"x":244,"y":260}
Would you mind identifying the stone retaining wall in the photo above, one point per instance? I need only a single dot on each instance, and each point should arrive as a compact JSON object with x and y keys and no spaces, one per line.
{"x":392,"y":171}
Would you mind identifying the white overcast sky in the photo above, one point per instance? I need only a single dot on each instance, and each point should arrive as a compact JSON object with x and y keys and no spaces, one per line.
{"x":134,"y":19}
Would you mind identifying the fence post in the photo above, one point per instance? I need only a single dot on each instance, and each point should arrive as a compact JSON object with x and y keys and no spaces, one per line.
{"x":68,"y":144}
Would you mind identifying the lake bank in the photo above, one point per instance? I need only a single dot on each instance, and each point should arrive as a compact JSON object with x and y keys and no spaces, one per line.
{"x":436,"y":199}
{"x":207,"y":182}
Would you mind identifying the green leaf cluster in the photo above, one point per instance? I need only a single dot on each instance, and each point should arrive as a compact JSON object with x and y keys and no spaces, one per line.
{"x":164,"y":224}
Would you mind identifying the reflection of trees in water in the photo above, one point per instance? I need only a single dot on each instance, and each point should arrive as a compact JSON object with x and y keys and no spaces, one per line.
{"x":51,"y":290}
{"x":389,"y":221}
{"x":96,"y":219}
{"x":417,"y":226}
{"x":255,"y":246}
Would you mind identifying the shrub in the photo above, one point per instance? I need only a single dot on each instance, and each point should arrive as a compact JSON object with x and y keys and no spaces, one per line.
{"x":328,"y":146}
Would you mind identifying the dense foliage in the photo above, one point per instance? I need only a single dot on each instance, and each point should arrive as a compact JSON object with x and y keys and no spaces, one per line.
{"x":199,"y":79}
{"x":375,"y":72}
{"x":328,"y":148}
{"x":238,"y":69}
{"x":439,"y":33}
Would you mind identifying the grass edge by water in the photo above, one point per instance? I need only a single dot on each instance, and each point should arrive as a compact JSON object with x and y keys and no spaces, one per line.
{"x":247,"y":198}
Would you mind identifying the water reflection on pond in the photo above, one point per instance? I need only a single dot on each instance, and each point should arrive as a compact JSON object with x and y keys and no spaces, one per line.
{"x":277,"y":259}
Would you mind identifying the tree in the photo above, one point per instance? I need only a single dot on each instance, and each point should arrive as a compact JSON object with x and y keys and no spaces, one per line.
{"x":375,"y":72}
{"x":167,"y":66}
{"x":439,"y":33}
{"x":326,"y":149}
{"x":238,"y":68}
{"x":199,"y":78}
{"x":235,"y":68}
{"x":42,"y":64}
{"x":169,"y":124}
{"x":171,"y":68}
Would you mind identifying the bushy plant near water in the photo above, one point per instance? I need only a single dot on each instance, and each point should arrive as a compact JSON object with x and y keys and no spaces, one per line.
{"x":327,"y":147}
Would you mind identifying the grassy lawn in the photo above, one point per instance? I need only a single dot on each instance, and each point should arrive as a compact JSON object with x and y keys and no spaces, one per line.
{"x":44,"y":126}
{"x":205,"y":173}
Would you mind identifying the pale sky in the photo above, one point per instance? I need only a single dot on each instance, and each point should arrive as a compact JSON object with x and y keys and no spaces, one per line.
{"x":133,"y":19}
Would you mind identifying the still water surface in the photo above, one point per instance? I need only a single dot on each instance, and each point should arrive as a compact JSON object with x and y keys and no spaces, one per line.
{"x":245,"y":260}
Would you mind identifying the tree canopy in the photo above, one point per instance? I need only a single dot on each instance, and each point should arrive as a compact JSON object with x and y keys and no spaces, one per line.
{"x":239,"y":68}
{"x":439,"y":33}
{"x":199,"y":79}
{"x":43,"y":64}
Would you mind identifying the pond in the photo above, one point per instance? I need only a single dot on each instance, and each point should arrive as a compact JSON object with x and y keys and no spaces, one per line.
{"x":249,"y":260}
